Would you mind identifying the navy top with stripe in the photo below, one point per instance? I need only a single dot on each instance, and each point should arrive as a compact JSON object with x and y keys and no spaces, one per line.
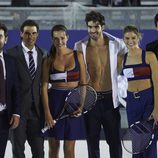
{"x":136,"y":71}
{"x":67,"y":76}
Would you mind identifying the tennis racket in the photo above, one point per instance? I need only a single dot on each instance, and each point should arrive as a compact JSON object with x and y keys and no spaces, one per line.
{"x":82,"y":94}
{"x":139,"y":136}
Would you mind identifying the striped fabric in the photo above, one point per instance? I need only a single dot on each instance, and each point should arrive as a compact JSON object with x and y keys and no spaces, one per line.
{"x":31,"y":65}
{"x":2,"y":84}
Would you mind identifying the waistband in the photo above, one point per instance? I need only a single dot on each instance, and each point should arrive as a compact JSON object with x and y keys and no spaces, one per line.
{"x":138,"y":94}
{"x":103,"y":94}
{"x":62,"y":88}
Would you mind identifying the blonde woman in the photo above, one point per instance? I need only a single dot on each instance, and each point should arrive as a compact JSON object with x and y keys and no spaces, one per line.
{"x":140,"y":68}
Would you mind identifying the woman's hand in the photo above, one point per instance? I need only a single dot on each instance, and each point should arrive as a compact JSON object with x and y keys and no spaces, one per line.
{"x":154,"y":115}
{"x":49,"y":122}
{"x":77,"y":112}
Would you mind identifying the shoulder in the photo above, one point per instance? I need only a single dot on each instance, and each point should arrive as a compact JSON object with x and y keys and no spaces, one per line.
{"x":42,"y":51}
{"x":150,"y":56}
{"x":78,"y":44}
{"x":9,"y":59}
{"x":47,"y":61}
{"x":118,"y":42}
{"x":14,"y":49}
{"x":79,"y":55}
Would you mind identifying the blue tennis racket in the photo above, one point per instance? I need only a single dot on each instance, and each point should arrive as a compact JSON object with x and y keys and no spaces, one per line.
{"x":139,"y":136}
{"x":73,"y":100}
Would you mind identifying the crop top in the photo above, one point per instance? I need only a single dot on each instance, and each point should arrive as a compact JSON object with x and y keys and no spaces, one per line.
{"x":66,"y":76}
{"x":136,"y":71}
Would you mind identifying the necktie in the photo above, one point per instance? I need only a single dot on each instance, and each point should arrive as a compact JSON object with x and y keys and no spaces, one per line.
{"x":31,"y":65}
{"x":2,"y":84}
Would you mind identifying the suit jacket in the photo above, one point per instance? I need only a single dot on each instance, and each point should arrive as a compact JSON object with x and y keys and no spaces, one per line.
{"x":153,"y":46}
{"x":12,"y":87}
{"x":28,"y":88}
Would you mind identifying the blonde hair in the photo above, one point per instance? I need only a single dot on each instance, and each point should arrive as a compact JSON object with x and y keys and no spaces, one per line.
{"x":132,"y":28}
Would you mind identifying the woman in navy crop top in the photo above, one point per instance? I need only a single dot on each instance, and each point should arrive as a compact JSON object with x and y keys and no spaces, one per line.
{"x":64,"y":69}
{"x":141,"y":70}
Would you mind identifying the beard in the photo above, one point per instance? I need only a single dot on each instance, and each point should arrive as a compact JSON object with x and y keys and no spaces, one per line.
{"x":94,"y":36}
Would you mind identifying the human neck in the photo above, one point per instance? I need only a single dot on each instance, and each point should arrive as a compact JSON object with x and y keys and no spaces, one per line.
{"x":99,"y":42}
{"x":134,"y":51}
{"x":62,"y":51}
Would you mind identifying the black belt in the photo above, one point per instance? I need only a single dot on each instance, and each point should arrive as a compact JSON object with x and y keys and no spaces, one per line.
{"x":3,"y":112}
{"x":103,"y":94}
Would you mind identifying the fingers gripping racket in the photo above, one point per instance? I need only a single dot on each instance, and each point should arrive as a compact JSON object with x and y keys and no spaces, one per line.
{"x":85,"y":95}
{"x":139,"y":136}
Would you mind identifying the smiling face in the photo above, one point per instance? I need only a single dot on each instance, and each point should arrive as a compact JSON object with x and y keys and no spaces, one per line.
{"x":29,"y":36}
{"x":131,"y":39}
{"x":132,"y":36}
{"x":95,"y":30}
{"x":60,"y":39}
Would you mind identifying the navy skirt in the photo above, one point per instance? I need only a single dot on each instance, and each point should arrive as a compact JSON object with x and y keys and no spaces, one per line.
{"x":70,"y":128}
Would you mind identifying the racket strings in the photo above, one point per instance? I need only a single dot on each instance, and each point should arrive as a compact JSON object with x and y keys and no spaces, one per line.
{"x":73,"y":101}
{"x":140,"y":136}
{"x":91,"y":98}
{"x":74,"y":98}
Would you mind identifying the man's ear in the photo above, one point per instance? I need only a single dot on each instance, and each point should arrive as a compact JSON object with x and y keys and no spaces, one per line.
{"x":103,"y":27}
{"x":6,"y":40}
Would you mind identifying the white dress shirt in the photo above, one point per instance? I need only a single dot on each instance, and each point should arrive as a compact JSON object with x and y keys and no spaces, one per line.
{"x":116,"y":46}
{"x":2,"y":59}
{"x":34,"y":54}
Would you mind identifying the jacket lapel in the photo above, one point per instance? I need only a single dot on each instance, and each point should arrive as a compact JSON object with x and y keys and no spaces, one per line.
{"x":39,"y":61}
{"x":22,"y":59}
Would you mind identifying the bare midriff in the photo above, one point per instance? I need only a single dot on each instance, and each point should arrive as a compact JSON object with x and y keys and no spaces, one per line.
{"x":139,"y":85}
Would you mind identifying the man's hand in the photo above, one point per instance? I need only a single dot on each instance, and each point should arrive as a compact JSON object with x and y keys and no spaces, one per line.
{"x":14,"y":122}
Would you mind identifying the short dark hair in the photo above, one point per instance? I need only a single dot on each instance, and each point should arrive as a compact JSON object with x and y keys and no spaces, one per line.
{"x":4,"y":28}
{"x":95,"y":16}
{"x":156,"y":20}
{"x":29,"y":23}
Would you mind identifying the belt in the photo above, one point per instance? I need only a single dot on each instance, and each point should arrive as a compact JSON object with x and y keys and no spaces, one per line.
{"x":136,"y":95}
{"x":2,"y":113}
{"x":103,"y":94}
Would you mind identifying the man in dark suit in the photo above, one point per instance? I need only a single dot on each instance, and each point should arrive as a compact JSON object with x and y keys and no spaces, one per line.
{"x":153,"y":46}
{"x":9,"y":92}
{"x":29,"y":61}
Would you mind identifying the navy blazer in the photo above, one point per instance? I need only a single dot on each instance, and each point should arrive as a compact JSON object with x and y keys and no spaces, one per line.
{"x":12,"y":87}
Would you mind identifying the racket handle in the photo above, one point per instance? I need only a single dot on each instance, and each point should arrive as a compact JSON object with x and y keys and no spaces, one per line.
{"x":43,"y":130}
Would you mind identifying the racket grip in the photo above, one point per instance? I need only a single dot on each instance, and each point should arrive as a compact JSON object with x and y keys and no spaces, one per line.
{"x":43,"y":130}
